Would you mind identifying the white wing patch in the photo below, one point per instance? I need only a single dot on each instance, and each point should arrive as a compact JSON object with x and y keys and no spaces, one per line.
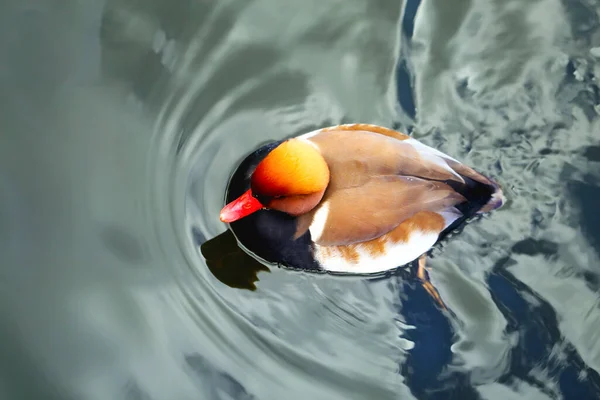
{"x":319,"y":221}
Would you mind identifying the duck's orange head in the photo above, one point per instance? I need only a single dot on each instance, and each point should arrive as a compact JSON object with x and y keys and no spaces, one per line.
{"x":292,"y":178}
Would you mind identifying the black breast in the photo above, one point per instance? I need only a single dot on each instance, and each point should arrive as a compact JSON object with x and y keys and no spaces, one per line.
{"x":268,"y":233}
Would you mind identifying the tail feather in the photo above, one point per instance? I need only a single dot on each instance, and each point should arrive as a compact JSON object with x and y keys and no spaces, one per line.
{"x":482,"y":194}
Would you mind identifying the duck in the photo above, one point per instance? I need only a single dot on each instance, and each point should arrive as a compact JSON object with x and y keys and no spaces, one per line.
{"x":351,"y":199}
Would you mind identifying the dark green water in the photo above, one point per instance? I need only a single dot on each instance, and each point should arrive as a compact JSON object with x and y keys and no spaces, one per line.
{"x":121,"y":120}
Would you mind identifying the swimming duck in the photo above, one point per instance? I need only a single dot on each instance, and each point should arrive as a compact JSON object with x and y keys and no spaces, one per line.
{"x":354,"y":199}
{"x":351,"y":199}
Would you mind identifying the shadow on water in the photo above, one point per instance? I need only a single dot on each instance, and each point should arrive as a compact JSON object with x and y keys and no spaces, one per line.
{"x":230,"y":264}
{"x":122,"y":121}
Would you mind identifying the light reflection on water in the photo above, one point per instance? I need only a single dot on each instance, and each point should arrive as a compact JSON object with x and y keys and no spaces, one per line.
{"x":122,"y":122}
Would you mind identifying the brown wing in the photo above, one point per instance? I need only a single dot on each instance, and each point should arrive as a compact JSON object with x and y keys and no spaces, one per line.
{"x":377,"y":182}
{"x":361,"y":213}
{"x":355,"y":157}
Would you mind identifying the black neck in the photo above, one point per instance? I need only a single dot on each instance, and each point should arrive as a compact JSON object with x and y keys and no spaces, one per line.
{"x":268,"y":233}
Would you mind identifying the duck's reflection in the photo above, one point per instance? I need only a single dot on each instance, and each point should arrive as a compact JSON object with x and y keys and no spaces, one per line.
{"x":229,"y":263}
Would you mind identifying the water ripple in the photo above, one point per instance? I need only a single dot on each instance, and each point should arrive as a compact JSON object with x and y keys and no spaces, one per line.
{"x":118,"y":154}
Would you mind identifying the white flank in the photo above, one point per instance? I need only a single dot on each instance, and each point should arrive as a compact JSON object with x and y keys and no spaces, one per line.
{"x":395,"y":255}
{"x":319,"y":221}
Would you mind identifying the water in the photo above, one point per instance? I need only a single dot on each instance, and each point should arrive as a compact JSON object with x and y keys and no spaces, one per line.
{"x":120,"y":122}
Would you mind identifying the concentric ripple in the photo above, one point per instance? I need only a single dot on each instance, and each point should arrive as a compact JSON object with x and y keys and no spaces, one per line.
{"x":123,"y":120}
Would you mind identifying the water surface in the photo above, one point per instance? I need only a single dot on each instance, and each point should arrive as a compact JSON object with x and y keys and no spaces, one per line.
{"x":120,"y":122}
